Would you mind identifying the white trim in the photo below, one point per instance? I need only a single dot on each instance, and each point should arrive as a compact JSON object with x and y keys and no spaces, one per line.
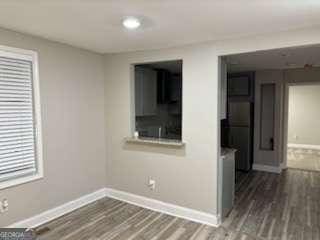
{"x":60,"y":210}
{"x":37,"y":113}
{"x":32,"y":56}
{"x":152,"y":204}
{"x":285,"y":145}
{"x":304,"y":146}
{"x":167,"y":208}
{"x":20,"y":180}
{"x":266,"y":168}
{"x":17,"y":53}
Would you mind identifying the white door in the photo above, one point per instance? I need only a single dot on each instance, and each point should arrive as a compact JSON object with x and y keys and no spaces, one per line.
{"x":267,"y":119}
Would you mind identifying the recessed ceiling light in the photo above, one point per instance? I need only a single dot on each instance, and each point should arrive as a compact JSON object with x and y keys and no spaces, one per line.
{"x":131,"y":23}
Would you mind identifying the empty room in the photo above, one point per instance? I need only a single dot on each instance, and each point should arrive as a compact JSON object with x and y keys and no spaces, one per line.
{"x":303,"y":149}
{"x":155,"y":120}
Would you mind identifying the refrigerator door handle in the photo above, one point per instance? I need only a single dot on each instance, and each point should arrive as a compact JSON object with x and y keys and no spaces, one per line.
{"x":271,"y":143}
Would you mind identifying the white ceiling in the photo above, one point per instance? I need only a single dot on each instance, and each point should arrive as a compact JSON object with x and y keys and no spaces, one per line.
{"x":96,"y":24}
{"x":275,"y":59}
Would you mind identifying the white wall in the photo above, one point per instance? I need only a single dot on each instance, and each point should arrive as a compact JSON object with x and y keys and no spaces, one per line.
{"x":180,"y":174}
{"x":304,"y":114}
{"x":186,"y":177}
{"x":72,"y":104}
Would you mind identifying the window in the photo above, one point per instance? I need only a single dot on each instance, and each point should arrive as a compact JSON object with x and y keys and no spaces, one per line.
{"x":20,"y":136}
{"x":158,"y":99}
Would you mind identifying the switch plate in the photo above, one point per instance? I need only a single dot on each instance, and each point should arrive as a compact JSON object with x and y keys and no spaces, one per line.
{"x":4,"y":205}
{"x":152,"y":184}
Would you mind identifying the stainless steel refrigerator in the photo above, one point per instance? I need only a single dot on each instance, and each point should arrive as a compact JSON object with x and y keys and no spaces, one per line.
{"x":240,"y":132}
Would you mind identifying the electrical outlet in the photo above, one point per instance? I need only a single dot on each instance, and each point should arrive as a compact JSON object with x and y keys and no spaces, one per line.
{"x":4,"y":205}
{"x":152,"y":184}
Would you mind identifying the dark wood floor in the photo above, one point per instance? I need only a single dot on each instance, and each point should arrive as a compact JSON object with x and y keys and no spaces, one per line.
{"x":272,"y":206}
{"x":268,"y":206}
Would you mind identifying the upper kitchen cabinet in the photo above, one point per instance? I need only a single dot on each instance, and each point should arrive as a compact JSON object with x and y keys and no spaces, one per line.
{"x":163,"y":86}
{"x":241,"y":86}
{"x":145,"y":91}
{"x":175,"y":88}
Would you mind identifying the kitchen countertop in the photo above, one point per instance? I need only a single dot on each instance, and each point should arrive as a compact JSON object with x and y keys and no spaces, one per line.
{"x":226,"y":151}
{"x":155,"y":141}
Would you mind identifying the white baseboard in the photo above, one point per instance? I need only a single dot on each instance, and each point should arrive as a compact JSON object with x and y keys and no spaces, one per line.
{"x":266,"y":168}
{"x":304,"y":146}
{"x":167,"y":208}
{"x":155,"y":205}
{"x":60,"y":210}
{"x":283,"y":166}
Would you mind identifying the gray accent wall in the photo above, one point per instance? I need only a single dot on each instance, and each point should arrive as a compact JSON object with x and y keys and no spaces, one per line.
{"x":72,"y":104}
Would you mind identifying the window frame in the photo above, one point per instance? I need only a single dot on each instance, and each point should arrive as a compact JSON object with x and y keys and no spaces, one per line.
{"x":33,"y":57}
{"x":133,"y":120}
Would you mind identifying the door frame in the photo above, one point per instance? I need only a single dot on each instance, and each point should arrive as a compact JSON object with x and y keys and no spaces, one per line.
{"x":220,"y":55}
{"x":285,"y":129}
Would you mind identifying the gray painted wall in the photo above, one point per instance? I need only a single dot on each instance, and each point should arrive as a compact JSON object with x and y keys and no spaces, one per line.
{"x":185,"y":176}
{"x":72,"y":104}
{"x":72,"y":98}
{"x":304,"y":114}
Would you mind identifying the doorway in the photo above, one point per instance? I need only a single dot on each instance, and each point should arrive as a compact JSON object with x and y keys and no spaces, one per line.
{"x":273,"y":72}
{"x":303,"y":132}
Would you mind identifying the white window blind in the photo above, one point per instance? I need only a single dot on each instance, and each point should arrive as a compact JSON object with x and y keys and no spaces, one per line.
{"x":18,"y":156}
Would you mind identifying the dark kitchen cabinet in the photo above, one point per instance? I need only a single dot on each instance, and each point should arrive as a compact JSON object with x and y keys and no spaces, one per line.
{"x":241,"y":86}
{"x":163,"y":86}
{"x":145,"y":92}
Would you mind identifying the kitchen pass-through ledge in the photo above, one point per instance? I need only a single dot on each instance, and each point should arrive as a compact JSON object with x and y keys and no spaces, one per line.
{"x":155,"y":141}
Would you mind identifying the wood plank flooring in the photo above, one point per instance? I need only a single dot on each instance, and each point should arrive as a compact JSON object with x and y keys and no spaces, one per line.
{"x":272,"y":206}
{"x":268,"y":206}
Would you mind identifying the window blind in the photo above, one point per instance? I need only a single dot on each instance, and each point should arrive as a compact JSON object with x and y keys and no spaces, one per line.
{"x":17,"y":126}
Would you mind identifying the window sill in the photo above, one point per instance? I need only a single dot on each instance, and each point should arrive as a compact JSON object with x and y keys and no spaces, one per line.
{"x":19,"y":181}
{"x":156,"y":141}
